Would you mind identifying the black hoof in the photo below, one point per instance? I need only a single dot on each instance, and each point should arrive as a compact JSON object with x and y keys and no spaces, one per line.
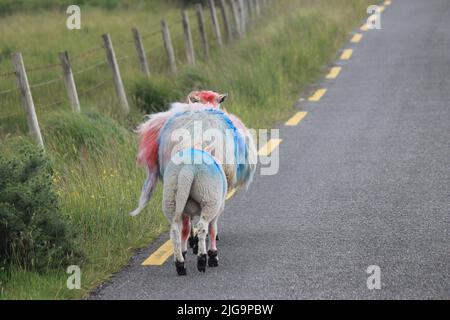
{"x":217,"y":237}
{"x":181,"y":270}
{"x":184,"y":254}
{"x":195,"y":246}
{"x":213,"y":260}
{"x":192,"y":241}
{"x":201,"y":263}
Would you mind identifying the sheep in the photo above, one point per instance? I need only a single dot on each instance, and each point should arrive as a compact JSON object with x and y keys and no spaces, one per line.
{"x":236,"y":145}
{"x":149,"y":137}
{"x":200,"y":179}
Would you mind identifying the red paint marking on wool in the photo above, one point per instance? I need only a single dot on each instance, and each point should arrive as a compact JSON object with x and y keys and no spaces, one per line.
{"x":212,"y":237}
{"x":186,"y":229}
{"x":208,"y":97}
{"x":148,"y":144}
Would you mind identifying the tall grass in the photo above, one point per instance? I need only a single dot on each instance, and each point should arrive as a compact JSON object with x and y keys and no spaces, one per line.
{"x":94,"y":152}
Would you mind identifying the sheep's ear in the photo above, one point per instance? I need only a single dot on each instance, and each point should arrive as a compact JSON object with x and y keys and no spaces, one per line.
{"x":192,"y":97}
{"x":222,"y":97}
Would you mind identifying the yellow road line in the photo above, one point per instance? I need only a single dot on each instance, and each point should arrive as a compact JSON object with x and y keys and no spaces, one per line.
{"x":334,"y":72}
{"x":268,"y":148}
{"x":317,"y":95}
{"x":231,"y":194}
{"x":160,"y":256}
{"x":382,"y":8}
{"x":387,"y":2}
{"x":295,"y":120}
{"x":364,"y":27}
{"x":356,"y":37}
{"x":346,"y":54}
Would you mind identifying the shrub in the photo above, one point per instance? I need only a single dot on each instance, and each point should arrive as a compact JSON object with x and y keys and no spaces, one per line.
{"x":154,"y":96}
{"x":74,"y":135}
{"x":33,"y":233}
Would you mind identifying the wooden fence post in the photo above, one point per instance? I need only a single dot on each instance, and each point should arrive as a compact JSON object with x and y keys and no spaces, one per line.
{"x":235,"y":10}
{"x":27,"y":99}
{"x":189,"y":44}
{"x":258,"y":7}
{"x":117,"y":78}
{"x":69,"y":81}
{"x":242,"y":16}
{"x":202,"y":29}
{"x":140,"y":52}
{"x":226,"y":20}
{"x":250,"y":6}
{"x":215,"y":23}
{"x":168,"y":46}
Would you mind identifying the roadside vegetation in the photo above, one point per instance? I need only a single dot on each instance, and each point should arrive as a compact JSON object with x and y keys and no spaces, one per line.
{"x":90,"y":157}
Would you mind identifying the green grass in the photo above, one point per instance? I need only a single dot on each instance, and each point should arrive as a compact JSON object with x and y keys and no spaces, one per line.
{"x":94,"y":153}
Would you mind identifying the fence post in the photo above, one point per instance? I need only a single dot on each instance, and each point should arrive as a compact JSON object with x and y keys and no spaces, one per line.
{"x":69,"y":81}
{"x":118,"y":84}
{"x":242,"y":17}
{"x":168,"y":46}
{"x":140,"y":52}
{"x":235,"y":10}
{"x":226,"y":20}
{"x":27,"y":99}
{"x":250,"y":6}
{"x":258,"y":7}
{"x":189,"y":44}
{"x":215,"y":23}
{"x":202,"y":29}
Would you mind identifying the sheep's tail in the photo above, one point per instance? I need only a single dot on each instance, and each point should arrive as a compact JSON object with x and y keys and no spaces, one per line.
{"x":185,"y":180}
{"x":147,"y":191}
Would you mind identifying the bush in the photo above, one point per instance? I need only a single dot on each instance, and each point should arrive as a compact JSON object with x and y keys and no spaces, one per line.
{"x":154,"y":96}
{"x":33,"y":233}
{"x":74,"y":135}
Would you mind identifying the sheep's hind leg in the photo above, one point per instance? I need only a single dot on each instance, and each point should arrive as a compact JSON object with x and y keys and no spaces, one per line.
{"x":213,"y":260}
{"x":185,"y":234}
{"x":175,"y":236}
{"x":201,"y":233}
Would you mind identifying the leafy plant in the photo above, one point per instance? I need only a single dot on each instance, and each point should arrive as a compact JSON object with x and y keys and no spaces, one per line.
{"x":33,"y":233}
{"x":154,"y":96}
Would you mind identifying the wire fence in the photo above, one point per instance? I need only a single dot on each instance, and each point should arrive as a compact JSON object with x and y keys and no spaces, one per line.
{"x":86,"y":73}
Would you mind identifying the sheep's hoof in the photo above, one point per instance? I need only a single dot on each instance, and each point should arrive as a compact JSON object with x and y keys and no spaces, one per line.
{"x":195,"y":246}
{"x":192,"y":241}
{"x":181,"y":270}
{"x":201,"y":263}
{"x":184,"y":255}
{"x":213,"y":260}
{"x":217,"y":237}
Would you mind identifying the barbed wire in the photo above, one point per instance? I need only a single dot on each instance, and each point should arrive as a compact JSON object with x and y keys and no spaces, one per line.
{"x":43,"y":67}
{"x":7,"y":74}
{"x":87,"y":53}
{"x":51,"y":104}
{"x":154,"y":49}
{"x":11,"y":115}
{"x":96,"y":65}
{"x":150,"y":34}
{"x":99,"y":84}
{"x":41,"y":84}
{"x":8,"y":91}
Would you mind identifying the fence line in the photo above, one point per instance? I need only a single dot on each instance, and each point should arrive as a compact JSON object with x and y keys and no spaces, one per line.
{"x":236,"y":16}
{"x":93,"y":66}
{"x":41,"y":84}
{"x":86,"y":53}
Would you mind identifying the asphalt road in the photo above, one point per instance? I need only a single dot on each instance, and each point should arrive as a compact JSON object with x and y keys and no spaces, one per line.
{"x":364,"y":180}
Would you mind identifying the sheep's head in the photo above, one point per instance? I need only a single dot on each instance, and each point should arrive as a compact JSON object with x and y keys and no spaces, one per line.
{"x":207,"y":97}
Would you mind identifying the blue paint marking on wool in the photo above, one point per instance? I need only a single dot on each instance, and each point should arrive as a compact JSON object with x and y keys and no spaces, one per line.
{"x":201,"y":157}
{"x":240,"y":148}
{"x":240,"y":152}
